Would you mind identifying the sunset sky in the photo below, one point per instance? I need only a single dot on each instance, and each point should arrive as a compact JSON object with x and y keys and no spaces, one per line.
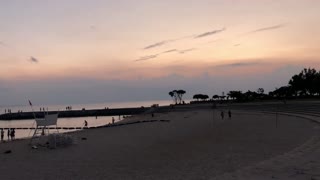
{"x":86,"y":51}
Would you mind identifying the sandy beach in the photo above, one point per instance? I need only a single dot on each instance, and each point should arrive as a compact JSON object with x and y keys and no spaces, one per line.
{"x":194,"y":144}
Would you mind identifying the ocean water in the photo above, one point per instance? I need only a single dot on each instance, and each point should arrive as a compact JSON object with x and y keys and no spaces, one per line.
{"x":69,"y":122}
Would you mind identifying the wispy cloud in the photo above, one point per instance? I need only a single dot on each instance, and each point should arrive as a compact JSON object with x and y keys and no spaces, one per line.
{"x":278,"y":26}
{"x":169,"y":51}
{"x":186,"y":50}
{"x":238,"y":64}
{"x":145,"y":58}
{"x":210,"y":33}
{"x":236,"y":45}
{"x":165,"y":42}
{"x":156,"y":44}
{"x":33,"y":59}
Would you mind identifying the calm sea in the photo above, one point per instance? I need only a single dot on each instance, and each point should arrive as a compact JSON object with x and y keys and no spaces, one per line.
{"x":70,"y":122}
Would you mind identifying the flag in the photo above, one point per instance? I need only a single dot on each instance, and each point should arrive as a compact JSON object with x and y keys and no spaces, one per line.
{"x":30,"y":103}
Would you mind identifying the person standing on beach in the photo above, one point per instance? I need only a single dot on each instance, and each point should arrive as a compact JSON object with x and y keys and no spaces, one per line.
{"x":2,"y":134}
{"x":85,"y":123}
{"x":222,"y":114}
{"x":112,"y":120}
{"x":229,"y":113}
{"x":8,"y":134}
{"x":12,"y":134}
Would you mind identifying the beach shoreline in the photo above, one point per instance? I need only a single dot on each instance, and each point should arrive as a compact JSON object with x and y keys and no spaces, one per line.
{"x":193,"y":144}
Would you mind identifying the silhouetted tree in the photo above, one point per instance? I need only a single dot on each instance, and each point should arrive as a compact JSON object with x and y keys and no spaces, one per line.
{"x":236,"y":95}
{"x":172,"y":94}
{"x":177,"y":95}
{"x":316,"y":84}
{"x":197,"y":96}
{"x":305,"y":83}
{"x":201,"y":96}
{"x":215,"y":97}
{"x":251,"y":95}
{"x":283,"y":92}
{"x":180,"y":93}
{"x":204,"y":97}
{"x":260,"y":91}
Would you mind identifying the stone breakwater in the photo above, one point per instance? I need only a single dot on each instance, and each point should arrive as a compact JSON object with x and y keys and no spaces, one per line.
{"x":76,"y":113}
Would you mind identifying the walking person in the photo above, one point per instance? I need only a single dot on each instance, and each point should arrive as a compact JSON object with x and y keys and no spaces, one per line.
{"x":229,"y":113}
{"x":2,"y":135}
{"x":222,"y":114}
{"x":85,"y":123}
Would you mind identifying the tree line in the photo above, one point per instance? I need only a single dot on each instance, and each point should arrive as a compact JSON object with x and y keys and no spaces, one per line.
{"x":305,"y":84}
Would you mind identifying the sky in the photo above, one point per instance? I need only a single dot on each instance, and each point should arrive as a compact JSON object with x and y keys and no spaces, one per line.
{"x":96,"y":51}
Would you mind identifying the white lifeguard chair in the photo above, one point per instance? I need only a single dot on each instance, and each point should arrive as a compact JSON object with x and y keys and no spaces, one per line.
{"x":43,"y":124}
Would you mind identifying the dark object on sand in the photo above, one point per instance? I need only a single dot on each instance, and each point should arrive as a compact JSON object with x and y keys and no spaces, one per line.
{"x":83,"y":138}
{"x":164,"y":120}
{"x":7,"y":152}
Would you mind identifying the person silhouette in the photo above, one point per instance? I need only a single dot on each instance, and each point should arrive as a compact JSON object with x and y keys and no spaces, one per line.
{"x":85,"y":123}
{"x":2,"y":134}
{"x":229,"y":113}
{"x":8,"y":134}
{"x":13,"y":134}
{"x":222,"y":114}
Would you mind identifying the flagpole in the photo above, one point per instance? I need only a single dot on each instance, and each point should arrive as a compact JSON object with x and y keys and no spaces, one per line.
{"x":34,"y":115}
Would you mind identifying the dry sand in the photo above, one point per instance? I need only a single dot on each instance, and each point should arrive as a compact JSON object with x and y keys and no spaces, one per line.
{"x":193,"y":145}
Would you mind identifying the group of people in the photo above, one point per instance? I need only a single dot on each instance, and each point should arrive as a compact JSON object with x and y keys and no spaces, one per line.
{"x":11,"y":133}
{"x":222,"y":114}
{"x":43,"y":109}
{"x":7,"y":111}
{"x":69,"y":108}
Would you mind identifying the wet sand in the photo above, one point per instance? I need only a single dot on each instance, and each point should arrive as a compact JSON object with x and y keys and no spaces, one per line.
{"x":193,"y":145}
